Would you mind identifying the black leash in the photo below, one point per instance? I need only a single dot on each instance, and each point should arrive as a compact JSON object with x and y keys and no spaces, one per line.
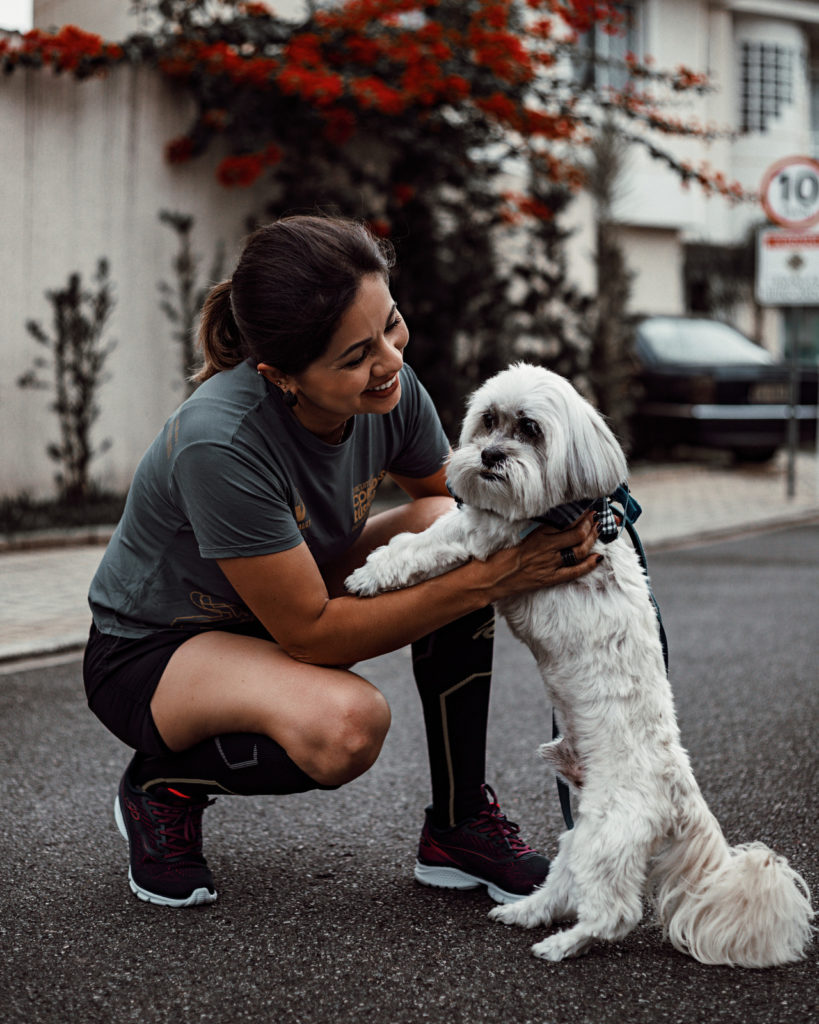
{"x":631,"y":511}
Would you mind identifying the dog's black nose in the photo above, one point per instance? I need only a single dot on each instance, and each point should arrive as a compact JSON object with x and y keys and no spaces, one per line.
{"x":492,"y":456}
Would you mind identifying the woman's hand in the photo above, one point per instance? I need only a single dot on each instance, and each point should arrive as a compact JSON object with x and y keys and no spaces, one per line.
{"x":539,"y":561}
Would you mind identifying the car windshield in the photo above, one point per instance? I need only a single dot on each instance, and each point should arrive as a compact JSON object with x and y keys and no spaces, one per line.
{"x":705,"y":342}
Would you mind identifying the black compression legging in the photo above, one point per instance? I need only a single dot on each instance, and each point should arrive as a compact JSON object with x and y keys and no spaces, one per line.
{"x":453,"y":669}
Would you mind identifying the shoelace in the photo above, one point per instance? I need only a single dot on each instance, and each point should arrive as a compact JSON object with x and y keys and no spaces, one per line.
{"x":492,"y":819}
{"x":179,"y":828}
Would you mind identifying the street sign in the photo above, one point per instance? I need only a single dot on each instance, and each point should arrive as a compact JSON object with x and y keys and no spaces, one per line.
{"x":787,"y":265}
{"x":790,"y":192}
{"x":787,"y":268}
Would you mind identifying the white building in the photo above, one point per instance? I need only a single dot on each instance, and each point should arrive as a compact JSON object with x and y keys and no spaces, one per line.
{"x":762,"y":57}
{"x":83,"y":176}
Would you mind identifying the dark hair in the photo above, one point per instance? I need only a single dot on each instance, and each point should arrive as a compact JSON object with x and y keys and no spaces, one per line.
{"x":294,"y":281}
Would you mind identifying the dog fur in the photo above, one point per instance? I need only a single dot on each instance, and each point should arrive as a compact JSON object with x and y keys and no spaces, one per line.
{"x":530,"y":442}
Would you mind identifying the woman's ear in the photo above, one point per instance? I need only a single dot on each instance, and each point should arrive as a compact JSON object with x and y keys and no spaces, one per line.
{"x":281,"y":380}
{"x":284,"y":382}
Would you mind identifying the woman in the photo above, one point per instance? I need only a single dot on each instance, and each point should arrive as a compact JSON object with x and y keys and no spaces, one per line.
{"x":222,"y":633}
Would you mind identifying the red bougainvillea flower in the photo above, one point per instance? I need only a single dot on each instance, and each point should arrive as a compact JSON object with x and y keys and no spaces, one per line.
{"x":240,"y":170}
{"x":403,"y":193}
{"x":362,"y":50}
{"x":684,"y":79}
{"x":379,"y":227}
{"x":271,"y":154}
{"x":340,"y":126}
{"x":66,"y":49}
{"x":456,"y":87}
{"x":372,"y":92}
{"x":499,"y":105}
{"x":318,"y":87}
{"x":216,"y":119}
{"x":305,"y":50}
{"x":519,"y":206}
{"x":254,"y":10}
{"x":177,"y":151}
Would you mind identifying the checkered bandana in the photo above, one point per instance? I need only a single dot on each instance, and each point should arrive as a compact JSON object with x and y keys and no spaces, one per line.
{"x":562,"y":516}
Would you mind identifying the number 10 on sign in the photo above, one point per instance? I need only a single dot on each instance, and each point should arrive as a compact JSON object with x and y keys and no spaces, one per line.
{"x":790,"y":192}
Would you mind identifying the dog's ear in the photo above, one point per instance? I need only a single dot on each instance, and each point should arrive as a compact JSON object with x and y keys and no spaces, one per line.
{"x":595,"y":463}
{"x":474,"y":410}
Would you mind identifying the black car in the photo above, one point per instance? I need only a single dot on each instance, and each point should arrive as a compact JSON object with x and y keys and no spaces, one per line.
{"x":701,"y":382}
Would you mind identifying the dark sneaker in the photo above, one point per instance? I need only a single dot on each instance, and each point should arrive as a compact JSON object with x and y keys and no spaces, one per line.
{"x":484,"y":850}
{"x":164,"y":834}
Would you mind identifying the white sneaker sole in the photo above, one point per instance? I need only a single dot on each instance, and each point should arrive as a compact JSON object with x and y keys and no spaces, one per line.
{"x":439,"y":877}
{"x":197,"y":898}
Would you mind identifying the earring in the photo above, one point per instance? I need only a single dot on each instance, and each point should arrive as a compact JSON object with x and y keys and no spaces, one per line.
{"x":290,"y":398}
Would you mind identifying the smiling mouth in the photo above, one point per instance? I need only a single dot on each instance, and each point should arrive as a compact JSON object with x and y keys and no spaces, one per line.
{"x":384,"y":387}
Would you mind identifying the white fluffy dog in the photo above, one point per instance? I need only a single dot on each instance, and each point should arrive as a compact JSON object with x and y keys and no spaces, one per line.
{"x":530,"y":442}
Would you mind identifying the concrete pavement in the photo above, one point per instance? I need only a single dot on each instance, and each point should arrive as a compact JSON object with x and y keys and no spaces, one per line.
{"x":44,"y":608}
{"x":319,"y":920}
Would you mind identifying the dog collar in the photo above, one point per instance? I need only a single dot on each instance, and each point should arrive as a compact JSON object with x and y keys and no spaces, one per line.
{"x":562,"y":516}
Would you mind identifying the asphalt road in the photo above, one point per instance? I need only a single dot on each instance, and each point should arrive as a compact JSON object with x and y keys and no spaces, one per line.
{"x":318,"y":918}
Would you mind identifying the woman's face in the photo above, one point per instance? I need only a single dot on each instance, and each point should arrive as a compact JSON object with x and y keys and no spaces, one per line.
{"x":359,"y":371}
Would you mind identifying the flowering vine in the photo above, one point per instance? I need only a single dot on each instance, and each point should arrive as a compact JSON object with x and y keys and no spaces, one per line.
{"x":413,"y":114}
{"x":497,"y":62}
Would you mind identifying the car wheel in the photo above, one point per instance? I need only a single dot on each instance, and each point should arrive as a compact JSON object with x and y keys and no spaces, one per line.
{"x":755,"y":455}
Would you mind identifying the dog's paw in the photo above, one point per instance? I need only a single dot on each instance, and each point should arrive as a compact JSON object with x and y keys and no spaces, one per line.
{"x":565,"y":762}
{"x":549,"y":950}
{"x":526,"y":913}
{"x":562,"y":945}
{"x":363,"y":582}
{"x":382,"y":571}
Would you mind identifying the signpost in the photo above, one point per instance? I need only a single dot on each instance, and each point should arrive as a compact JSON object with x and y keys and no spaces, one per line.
{"x":787,"y":271}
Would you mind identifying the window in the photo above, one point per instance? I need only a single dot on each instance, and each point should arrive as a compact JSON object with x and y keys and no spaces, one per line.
{"x":766,"y":83}
{"x":814,"y":100}
{"x":601,"y":60}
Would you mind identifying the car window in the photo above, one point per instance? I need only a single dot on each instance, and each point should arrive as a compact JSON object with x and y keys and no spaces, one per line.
{"x":699,"y":341}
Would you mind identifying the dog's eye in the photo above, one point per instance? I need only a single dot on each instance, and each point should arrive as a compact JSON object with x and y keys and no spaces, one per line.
{"x":488,"y":420}
{"x":528,"y":428}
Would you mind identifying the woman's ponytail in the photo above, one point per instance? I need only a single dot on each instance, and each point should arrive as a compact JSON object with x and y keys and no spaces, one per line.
{"x":219,"y":337}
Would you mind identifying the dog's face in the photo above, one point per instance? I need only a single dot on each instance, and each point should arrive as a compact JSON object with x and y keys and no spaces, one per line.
{"x":529,"y":441}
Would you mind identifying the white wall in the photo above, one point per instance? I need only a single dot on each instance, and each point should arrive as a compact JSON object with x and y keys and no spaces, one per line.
{"x":114,"y":19}
{"x":83,"y":176}
{"x":655,"y":259}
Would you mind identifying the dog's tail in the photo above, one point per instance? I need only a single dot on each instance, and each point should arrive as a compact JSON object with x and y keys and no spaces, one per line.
{"x":741,"y":906}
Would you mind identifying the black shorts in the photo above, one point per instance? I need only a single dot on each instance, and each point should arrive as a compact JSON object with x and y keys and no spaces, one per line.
{"x":121,"y":675}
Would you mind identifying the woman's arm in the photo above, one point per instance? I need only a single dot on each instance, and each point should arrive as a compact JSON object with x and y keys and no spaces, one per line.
{"x":424,"y":487}
{"x":286,"y":592}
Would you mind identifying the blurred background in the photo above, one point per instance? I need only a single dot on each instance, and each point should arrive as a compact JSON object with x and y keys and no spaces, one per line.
{"x":567,"y":190}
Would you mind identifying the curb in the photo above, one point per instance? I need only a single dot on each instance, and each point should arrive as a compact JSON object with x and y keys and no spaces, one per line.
{"x":672,"y":542}
{"x":21,"y":659}
{"x":39,"y":540}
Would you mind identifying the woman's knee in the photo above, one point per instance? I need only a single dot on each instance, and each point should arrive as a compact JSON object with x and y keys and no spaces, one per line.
{"x":355,"y":727}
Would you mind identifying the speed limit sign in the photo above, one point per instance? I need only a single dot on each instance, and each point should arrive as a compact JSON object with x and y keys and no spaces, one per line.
{"x":790,"y":192}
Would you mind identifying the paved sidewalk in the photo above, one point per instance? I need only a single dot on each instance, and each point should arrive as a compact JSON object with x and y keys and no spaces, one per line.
{"x":44,"y":608}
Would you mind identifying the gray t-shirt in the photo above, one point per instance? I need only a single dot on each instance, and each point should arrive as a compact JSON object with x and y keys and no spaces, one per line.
{"x":235,"y":474}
